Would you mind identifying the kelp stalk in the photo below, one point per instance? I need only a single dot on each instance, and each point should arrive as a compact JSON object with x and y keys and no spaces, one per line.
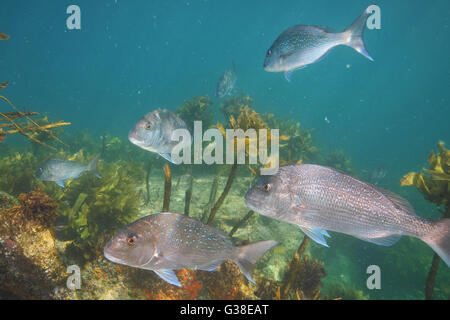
{"x":241,"y":222}
{"x":429,"y":284}
{"x":293,"y":270}
{"x":167,"y":187}
{"x":147,"y":180}
{"x":212,"y":198}
{"x":222,"y":197}
{"x":188,"y":196}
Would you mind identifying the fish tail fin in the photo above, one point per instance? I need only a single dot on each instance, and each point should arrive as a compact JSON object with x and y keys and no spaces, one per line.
{"x":246,"y":256}
{"x":92,"y":166}
{"x":439,"y":239}
{"x":353,"y":35}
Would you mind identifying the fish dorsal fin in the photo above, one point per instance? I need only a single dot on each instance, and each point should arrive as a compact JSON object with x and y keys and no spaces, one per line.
{"x":169,"y":276}
{"x":316,"y":234}
{"x":383,"y":241}
{"x":324,"y":28}
{"x":399,"y":202}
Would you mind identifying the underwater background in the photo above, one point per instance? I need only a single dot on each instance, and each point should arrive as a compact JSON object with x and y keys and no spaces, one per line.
{"x":376,"y":120}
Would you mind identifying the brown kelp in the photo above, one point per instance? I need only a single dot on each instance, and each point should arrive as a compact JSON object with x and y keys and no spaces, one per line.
{"x":20,"y":122}
{"x":339,"y":160}
{"x":167,"y":187}
{"x":434,"y":184}
{"x":233,"y":106}
{"x":93,"y":208}
{"x":196,"y":109}
{"x":296,"y":143}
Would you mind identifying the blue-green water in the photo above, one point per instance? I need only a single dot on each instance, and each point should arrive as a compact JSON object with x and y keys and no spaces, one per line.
{"x":131,"y":57}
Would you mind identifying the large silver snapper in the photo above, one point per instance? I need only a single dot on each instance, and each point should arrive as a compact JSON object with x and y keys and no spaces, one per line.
{"x":168,"y":241}
{"x":60,"y":170}
{"x":153,"y":132}
{"x":302,"y":45}
{"x":318,"y":198}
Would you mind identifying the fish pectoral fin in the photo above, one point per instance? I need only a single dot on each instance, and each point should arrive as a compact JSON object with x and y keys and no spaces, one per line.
{"x":167,"y":157}
{"x":288,"y":75}
{"x":60,"y":183}
{"x":317,"y":235}
{"x":169,"y":276}
{"x":383,"y":241}
{"x":211,"y":267}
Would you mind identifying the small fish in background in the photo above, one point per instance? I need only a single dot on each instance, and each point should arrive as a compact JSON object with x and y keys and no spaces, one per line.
{"x":167,"y":241}
{"x":375,"y":176}
{"x":318,"y":198}
{"x":226,"y":82}
{"x":154,"y":132}
{"x":302,"y":45}
{"x":60,"y":170}
{"x":4,"y":36}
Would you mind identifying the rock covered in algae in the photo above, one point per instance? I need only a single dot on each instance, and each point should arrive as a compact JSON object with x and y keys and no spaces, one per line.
{"x":7,"y":201}
{"x":29,"y":260}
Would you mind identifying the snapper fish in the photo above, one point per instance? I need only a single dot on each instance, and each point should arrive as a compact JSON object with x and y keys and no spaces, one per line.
{"x":60,"y":170}
{"x":318,"y":199}
{"x":226,"y":82}
{"x":154,"y":132}
{"x":167,"y":241}
{"x":302,"y":45}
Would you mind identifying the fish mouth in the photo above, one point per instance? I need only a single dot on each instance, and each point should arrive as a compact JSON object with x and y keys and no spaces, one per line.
{"x":108,"y":255}
{"x":250,"y":202}
{"x":132,"y":136}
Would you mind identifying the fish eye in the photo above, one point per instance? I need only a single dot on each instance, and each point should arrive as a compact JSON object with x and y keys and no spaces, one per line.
{"x":266,"y":187}
{"x":148,"y":126}
{"x":269,"y":52}
{"x":131,"y":240}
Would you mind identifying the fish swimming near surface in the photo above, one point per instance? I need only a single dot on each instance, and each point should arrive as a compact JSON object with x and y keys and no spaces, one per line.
{"x":154,"y":132}
{"x":60,"y":170}
{"x":318,"y":198}
{"x":167,"y":241}
{"x":302,"y":45}
{"x":226,"y":82}
{"x":4,"y":36}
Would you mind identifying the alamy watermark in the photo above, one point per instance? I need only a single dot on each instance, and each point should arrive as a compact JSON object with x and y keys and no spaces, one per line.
{"x":74,"y":281}
{"x":374,"y":280}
